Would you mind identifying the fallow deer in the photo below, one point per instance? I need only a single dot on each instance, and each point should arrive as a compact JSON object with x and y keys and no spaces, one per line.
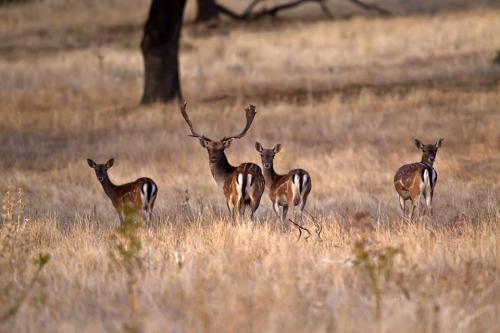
{"x":131,"y":200}
{"x":418,"y":179}
{"x":243,"y":185}
{"x":288,"y":190}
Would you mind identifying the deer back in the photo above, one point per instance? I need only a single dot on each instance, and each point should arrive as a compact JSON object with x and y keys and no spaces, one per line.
{"x":245,"y":175}
{"x":410,"y":178}
{"x":129,"y":194}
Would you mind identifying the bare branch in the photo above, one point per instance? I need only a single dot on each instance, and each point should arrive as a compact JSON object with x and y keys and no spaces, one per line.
{"x":248,"y":15}
{"x":228,"y":12}
{"x":318,"y":227}
{"x":300,"y":228}
{"x":250,"y":7}
{"x":375,"y":8}
{"x":326,"y":10}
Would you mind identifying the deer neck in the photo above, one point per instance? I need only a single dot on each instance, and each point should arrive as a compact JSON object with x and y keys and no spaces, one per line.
{"x":270,"y":176}
{"x":221,"y":170}
{"x":109,"y":187}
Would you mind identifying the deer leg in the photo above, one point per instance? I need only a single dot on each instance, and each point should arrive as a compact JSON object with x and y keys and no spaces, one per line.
{"x":419,"y":207}
{"x":412,"y":210}
{"x":230,"y":209}
{"x":303,"y":201}
{"x":284,"y":213}
{"x":432,"y":197}
{"x":415,"y":209}
{"x":251,"y":205}
{"x":237,"y":210}
{"x":291,"y":206}
{"x":283,"y":216}
{"x":276,"y":209}
{"x":254,"y":204}
{"x":402,"y":205}
{"x":121,"y":216}
{"x":150,"y":213}
{"x":238,"y":217}
{"x":243,"y":208}
{"x":428,"y":202}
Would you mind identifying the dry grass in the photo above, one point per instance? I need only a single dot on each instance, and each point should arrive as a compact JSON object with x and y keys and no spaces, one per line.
{"x":344,"y":98}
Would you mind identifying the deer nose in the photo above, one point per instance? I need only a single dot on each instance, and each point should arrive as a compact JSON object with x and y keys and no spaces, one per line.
{"x":267,"y":165}
{"x":100,"y":178}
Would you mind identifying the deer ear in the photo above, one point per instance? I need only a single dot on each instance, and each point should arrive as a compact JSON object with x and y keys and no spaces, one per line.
{"x":439,"y":143}
{"x":259,"y":148}
{"x":91,"y":163}
{"x":277,"y":148}
{"x":419,"y":144}
{"x":110,"y":163}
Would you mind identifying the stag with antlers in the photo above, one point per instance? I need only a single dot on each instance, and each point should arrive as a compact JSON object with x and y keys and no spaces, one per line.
{"x":243,"y":185}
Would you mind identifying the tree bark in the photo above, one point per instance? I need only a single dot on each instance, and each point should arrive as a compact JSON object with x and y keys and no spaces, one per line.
{"x":160,"y":50}
{"x":207,"y":10}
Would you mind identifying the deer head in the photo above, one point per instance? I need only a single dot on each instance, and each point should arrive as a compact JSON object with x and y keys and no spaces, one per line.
{"x":101,"y":170}
{"x":267,"y":155}
{"x":216,"y":148}
{"x":429,"y":151}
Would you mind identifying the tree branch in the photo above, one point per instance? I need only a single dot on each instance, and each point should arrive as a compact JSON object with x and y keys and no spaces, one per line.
{"x":248,"y":13}
{"x":300,"y":228}
{"x":380,"y":10}
{"x":318,"y":226}
{"x":273,"y":11}
{"x":250,"y":7}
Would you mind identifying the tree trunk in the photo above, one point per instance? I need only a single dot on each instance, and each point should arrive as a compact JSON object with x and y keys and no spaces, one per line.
{"x":207,"y":10}
{"x":160,"y":50}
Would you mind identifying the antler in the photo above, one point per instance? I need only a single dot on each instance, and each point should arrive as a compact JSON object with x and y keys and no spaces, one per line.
{"x":190,"y":124}
{"x":250,"y":114}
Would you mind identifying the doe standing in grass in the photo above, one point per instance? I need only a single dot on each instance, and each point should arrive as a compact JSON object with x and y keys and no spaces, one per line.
{"x":288,"y":190}
{"x":418,"y":179}
{"x":131,"y":200}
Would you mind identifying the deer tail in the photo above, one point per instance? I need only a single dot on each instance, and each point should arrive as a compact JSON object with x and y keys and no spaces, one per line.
{"x":148,"y":192}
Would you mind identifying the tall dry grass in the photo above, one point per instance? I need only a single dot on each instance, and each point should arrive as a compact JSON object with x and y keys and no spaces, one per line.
{"x":344,"y":98}
{"x":207,"y":275}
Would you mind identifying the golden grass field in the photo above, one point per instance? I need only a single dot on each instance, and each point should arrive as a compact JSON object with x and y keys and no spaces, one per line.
{"x":344,"y":98}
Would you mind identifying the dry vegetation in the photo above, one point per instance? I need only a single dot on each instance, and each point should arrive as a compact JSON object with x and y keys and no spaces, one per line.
{"x":343,"y":97}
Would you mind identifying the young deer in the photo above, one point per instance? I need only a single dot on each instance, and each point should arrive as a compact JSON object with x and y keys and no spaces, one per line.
{"x":243,"y":185}
{"x":286,"y":191}
{"x":131,"y":199}
{"x":414,"y":180}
